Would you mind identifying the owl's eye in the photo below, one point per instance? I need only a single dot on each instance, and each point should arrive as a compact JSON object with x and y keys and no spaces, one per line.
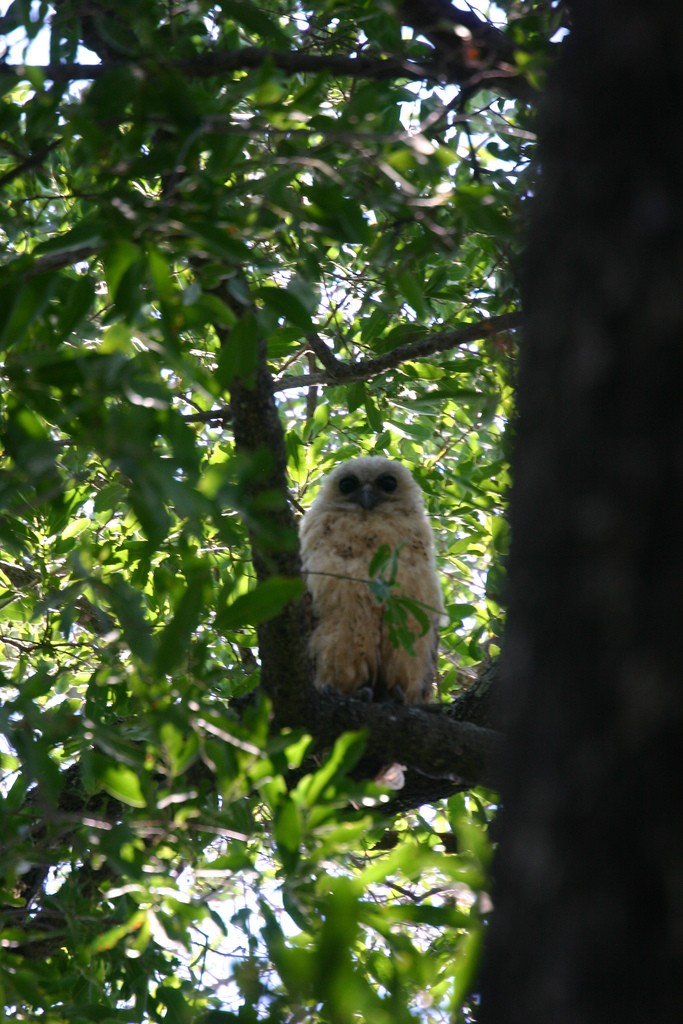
{"x":387,"y":483}
{"x":348,"y":484}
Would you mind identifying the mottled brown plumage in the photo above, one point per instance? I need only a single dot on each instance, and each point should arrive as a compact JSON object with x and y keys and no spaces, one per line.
{"x":363,"y":504}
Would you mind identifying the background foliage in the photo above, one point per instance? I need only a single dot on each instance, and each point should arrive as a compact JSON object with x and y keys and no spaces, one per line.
{"x":158,"y":860}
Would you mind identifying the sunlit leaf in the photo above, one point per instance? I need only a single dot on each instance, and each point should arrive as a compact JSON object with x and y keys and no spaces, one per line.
{"x":266,"y":600}
{"x":118,"y":780}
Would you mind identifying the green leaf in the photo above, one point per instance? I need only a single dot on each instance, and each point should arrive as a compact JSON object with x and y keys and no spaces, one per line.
{"x":355,"y":395}
{"x":239,"y":353}
{"x":288,"y":832}
{"x":118,"y":260}
{"x":160,"y":273}
{"x":80,"y":237}
{"x":118,"y":780}
{"x":338,"y":214}
{"x":346,"y":752}
{"x":254,"y":18}
{"x":264,"y":602}
{"x":181,"y":750}
{"x":127,"y":606}
{"x":379,"y":560}
{"x":150,"y":508}
{"x":111,"y":938}
{"x":29,"y":303}
{"x":285,"y":304}
{"x":76,"y":301}
{"x":175,"y":638}
{"x":413,"y":292}
{"x":373,"y":414}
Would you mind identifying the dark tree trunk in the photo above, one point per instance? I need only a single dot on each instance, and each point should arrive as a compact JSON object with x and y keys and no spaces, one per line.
{"x":588,"y":925}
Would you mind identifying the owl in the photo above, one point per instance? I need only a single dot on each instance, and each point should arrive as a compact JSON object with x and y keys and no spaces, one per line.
{"x":363,"y":504}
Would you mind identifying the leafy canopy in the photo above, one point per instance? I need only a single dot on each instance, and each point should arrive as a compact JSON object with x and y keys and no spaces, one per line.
{"x":176,"y":177}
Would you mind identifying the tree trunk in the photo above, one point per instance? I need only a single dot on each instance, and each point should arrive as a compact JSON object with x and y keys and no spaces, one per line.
{"x":588,"y":921}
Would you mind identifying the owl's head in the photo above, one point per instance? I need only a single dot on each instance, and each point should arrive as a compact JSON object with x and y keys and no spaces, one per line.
{"x":370,"y":483}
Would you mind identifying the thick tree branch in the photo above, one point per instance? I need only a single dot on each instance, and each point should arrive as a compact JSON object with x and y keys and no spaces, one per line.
{"x":426,"y":738}
{"x":441,"y":341}
{"x":210,"y":65}
{"x":346,"y":373}
{"x":469,"y":75}
{"x":259,"y":438}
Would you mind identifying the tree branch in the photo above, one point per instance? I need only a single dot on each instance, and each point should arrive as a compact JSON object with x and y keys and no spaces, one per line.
{"x":210,"y":65}
{"x":453,"y":70}
{"x":259,"y":438}
{"x":425,"y":738}
{"x":347,"y":373}
{"x":89,"y":616}
{"x":34,"y":159}
{"x":468,"y":49}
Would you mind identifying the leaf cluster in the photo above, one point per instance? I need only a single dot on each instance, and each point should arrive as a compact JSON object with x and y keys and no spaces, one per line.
{"x":164,"y":224}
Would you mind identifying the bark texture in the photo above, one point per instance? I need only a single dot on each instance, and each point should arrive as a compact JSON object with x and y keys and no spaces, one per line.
{"x":588,"y":925}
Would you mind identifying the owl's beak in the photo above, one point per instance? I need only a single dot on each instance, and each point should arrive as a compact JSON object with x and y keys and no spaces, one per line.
{"x":367,"y":496}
